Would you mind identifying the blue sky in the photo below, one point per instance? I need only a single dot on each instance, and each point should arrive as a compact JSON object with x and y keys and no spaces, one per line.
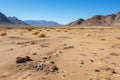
{"x":62,"y":11}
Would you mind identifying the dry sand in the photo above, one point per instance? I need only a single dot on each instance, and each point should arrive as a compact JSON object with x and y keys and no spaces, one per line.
{"x":63,"y":54}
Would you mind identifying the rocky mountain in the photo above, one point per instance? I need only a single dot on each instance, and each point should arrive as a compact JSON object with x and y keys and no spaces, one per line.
{"x":42,"y":23}
{"x":76,"y":23}
{"x":16,"y":21}
{"x":100,"y":20}
{"x":4,"y":20}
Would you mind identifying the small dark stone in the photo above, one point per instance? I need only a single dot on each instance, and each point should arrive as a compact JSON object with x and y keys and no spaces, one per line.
{"x":52,"y":62}
{"x":91,"y":60}
{"x":45,"y":58}
{"x":35,"y":53}
{"x":23,"y":59}
{"x":97,"y":70}
{"x":27,"y":58}
{"x":82,"y":62}
{"x":114,"y":72}
{"x":20,"y":60}
{"x":55,"y":68}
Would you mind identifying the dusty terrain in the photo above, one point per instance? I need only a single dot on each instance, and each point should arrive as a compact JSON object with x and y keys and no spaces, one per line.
{"x":61,"y":54}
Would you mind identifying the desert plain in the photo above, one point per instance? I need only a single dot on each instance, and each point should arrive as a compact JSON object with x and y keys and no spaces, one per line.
{"x":60,"y":53}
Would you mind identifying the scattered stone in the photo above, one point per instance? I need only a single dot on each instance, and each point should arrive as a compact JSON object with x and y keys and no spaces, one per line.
{"x":113,"y":63}
{"x":102,"y":49}
{"x":45,"y":58}
{"x":20,"y":60}
{"x":103,"y":39}
{"x":82,"y":54}
{"x":3,"y":76}
{"x":111,"y":70}
{"x":82,"y":62}
{"x":35,"y":53}
{"x":91,"y":60}
{"x":27,"y":58}
{"x":96,"y":70}
{"x":68,"y":47}
{"x":64,"y":75}
{"x":52,"y":62}
{"x":114,"y":54}
{"x":23,"y":59}
{"x":43,"y":45}
{"x":60,"y":52}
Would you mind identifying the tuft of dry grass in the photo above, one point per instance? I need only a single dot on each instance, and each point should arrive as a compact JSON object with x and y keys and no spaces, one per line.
{"x":65,"y":31}
{"x":41,"y":35}
{"x":47,"y":30}
{"x":35,"y":32}
{"x":3,"y":33}
{"x":87,"y":35}
{"x":58,"y":30}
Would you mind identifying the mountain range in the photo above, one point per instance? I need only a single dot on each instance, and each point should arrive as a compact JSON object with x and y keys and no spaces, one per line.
{"x":4,"y":20}
{"x":98,"y":20}
{"x":42,"y":23}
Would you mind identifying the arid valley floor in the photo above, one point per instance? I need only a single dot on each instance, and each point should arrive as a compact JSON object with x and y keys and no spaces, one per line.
{"x":60,"y":54}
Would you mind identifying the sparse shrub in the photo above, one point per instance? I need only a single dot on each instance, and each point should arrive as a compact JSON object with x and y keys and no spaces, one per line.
{"x":65,"y":31}
{"x":3,"y":33}
{"x":58,"y":30}
{"x":87,"y":34}
{"x":81,"y":28}
{"x":69,"y":28}
{"x":41,"y":35}
{"x":39,"y":30}
{"x":29,"y":28}
{"x":35,"y":32}
{"x":98,"y":35}
{"x":102,"y":29}
{"x":48,"y":30}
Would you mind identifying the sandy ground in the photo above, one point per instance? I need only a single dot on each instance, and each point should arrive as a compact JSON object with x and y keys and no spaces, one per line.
{"x":78,"y":54}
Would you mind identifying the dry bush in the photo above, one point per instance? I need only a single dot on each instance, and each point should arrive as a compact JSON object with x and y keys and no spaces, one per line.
{"x":58,"y":30}
{"x":41,"y":35}
{"x":3,"y":33}
{"x":98,"y":35}
{"x":87,"y":35}
{"x":102,"y":29}
{"x":35,"y":32}
{"x":48,"y":30}
{"x":65,"y":31}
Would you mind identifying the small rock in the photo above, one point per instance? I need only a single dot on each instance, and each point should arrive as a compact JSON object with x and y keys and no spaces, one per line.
{"x":20,"y":60}
{"x":35,"y":53}
{"x":114,"y":54}
{"x":82,"y":62}
{"x":68,"y":47}
{"x":96,"y":70}
{"x":91,"y":60}
{"x":23,"y":59}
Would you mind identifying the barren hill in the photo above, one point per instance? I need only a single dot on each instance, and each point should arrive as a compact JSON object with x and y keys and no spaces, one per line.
{"x":100,"y":20}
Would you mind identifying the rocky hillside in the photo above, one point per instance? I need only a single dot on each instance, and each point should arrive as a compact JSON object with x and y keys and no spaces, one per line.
{"x":76,"y":23}
{"x":4,"y":20}
{"x":16,"y":21}
{"x":100,"y":20}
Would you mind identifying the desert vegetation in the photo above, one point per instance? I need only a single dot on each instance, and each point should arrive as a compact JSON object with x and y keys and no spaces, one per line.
{"x":59,"y":53}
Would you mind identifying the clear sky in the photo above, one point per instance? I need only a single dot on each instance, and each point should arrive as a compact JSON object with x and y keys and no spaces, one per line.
{"x":62,"y":11}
